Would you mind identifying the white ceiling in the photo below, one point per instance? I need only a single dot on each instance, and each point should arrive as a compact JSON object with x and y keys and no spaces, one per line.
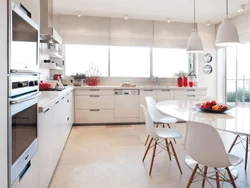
{"x":176,"y":10}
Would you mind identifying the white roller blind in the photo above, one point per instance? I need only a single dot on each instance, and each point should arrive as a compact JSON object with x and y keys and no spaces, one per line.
{"x":84,"y":30}
{"x":131,"y":32}
{"x":171,"y":35}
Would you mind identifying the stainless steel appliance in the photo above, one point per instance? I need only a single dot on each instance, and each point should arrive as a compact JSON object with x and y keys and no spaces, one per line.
{"x":24,"y":42}
{"x":23,"y":92}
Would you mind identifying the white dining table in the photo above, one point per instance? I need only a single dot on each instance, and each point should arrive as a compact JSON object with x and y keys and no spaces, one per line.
{"x":236,"y":120}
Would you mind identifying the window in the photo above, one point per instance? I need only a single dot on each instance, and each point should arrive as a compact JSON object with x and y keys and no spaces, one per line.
{"x":129,"y":61}
{"x":79,"y":57}
{"x":167,"y":61}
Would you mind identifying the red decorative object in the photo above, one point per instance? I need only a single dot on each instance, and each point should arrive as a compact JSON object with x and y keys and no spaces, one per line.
{"x":92,"y":80}
{"x":180,"y":82}
{"x":191,"y":84}
{"x":185,"y":81}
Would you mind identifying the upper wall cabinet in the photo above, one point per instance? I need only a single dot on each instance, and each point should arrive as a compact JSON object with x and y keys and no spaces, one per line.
{"x":33,"y":6}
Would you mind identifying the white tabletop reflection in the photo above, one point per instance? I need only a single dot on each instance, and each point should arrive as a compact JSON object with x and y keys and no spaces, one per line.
{"x":235,"y":120}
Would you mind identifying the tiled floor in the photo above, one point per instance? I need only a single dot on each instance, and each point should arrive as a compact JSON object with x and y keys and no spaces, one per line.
{"x":110,"y":157}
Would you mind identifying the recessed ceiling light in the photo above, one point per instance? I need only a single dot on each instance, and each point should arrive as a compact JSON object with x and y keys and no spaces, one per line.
{"x":241,"y":9}
{"x":208,"y":23}
{"x":125,"y":17}
{"x":79,"y":14}
{"x":168,"y":20}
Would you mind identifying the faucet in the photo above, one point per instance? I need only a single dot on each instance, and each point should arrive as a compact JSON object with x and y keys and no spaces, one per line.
{"x":157,"y":81}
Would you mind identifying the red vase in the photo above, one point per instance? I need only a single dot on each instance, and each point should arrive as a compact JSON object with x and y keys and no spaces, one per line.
{"x":191,"y":84}
{"x":180,"y":82}
{"x":185,"y":81}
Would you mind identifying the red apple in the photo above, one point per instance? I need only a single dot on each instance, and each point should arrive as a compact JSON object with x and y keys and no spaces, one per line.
{"x":213,"y":102}
{"x":208,"y":103}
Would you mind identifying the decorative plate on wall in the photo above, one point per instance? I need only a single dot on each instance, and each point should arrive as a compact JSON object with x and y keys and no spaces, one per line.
{"x":207,"y":69}
{"x":208,"y":58}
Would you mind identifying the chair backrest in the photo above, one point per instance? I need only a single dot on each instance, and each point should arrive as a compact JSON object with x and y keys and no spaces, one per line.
{"x":153,"y":111}
{"x":203,"y":143}
{"x":205,"y":99}
{"x":149,"y":123}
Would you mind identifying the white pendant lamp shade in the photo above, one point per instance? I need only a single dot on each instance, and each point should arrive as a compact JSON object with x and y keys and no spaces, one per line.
{"x":227,"y":34}
{"x":194,"y":43}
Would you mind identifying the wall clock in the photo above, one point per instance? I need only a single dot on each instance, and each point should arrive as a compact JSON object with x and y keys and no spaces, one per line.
{"x":207,"y":69}
{"x":208,"y":58}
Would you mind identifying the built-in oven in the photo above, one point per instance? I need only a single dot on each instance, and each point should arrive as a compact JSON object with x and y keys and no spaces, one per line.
{"x":22,"y":126}
{"x":24,"y":42}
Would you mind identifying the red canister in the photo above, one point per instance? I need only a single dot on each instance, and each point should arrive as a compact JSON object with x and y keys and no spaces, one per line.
{"x":57,"y":76}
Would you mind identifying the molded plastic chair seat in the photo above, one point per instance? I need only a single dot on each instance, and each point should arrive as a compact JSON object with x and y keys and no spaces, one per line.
{"x":163,"y":133}
{"x":164,"y":119}
{"x":234,"y":160}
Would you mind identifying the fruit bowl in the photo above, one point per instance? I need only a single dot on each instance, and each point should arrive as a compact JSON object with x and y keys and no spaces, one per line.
{"x":213,"y":107}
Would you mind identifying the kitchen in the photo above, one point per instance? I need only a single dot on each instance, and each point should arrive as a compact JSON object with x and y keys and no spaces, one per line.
{"x":74,"y":77}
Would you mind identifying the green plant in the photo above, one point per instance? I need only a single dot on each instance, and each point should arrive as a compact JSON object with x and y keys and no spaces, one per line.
{"x":79,"y":76}
{"x":243,"y":95}
{"x":180,"y":74}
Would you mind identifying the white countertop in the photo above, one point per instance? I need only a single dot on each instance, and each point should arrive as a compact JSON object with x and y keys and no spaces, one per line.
{"x":235,"y":120}
{"x":138,"y":87}
{"x":48,"y":98}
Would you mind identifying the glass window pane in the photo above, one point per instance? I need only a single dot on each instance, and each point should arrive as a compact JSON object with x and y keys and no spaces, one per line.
{"x":129,"y":61}
{"x":243,"y":60}
{"x":79,"y":57}
{"x":167,"y":61}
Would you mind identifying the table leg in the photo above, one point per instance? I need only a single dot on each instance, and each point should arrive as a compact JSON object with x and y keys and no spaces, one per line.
{"x":246,"y":154}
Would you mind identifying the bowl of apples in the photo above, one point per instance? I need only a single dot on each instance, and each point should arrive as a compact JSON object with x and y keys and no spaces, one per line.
{"x":213,"y":106}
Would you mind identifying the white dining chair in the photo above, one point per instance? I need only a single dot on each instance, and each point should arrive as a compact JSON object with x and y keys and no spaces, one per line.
{"x":203,"y":143}
{"x":159,"y":135}
{"x":157,"y":117}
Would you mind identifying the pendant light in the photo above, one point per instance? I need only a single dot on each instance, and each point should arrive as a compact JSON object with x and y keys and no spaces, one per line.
{"x":227,"y":34}
{"x":194,"y":42}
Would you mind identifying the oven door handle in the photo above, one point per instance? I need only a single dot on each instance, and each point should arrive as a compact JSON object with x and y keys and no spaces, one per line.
{"x":13,"y":101}
{"x":24,"y":71}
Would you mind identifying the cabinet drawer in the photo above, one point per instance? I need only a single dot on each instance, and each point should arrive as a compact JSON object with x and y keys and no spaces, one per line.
{"x":94,"y":92}
{"x":190,"y":92}
{"x":165,"y":94}
{"x":94,"y":116}
{"x":94,"y":102}
{"x":189,"y":97}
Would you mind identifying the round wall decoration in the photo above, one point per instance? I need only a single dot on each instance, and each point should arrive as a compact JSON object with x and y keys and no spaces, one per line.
{"x":207,"y":69}
{"x":208,"y":57}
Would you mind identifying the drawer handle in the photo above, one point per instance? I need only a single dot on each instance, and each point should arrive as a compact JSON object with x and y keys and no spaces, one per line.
{"x":68,"y":94}
{"x":46,"y":110}
{"x":62,"y":98}
{"x":94,"y":110}
{"x":94,"y":90}
{"x":190,"y":89}
{"x":67,"y":101}
{"x":94,"y":95}
{"x":68,"y":119}
{"x":147,"y":90}
{"x":190,"y":95}
{"x":165,"y":90}
{"x":57,"y":102}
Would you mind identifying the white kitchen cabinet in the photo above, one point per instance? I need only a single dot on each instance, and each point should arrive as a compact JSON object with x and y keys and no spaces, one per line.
{"x":31,"y":177}
{"x":94,"y":102}
{"x":94,"y":116}
{"x":87,"y":92}
{"x":165,"y":94}
{"x":33,"y":6}
{"x":146,"y":93}
{"x":53,"y":130}
{"x":190,"y":94}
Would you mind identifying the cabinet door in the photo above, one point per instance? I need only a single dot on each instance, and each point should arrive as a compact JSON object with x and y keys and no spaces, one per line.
{"x":31,"y":177}
{"x":146,"y":93}
{"x":94,"y":102}
{"x":190,"y":94}
{"x":165,"y":94}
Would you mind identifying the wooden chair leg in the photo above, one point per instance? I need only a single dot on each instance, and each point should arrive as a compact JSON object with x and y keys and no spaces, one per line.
{"x":231,"y":178}
{"x":233,"y":144}
{"x":167,"y":145}
{"x":204,"y":177}
{"x":192,"y":176}
{"x":163,"y":125}
{"x":170,"y":128}
{"x":146,"y":140}
{"x":153,"y":157}
{"x":146,"y":152}
{"x":176,"y":158}
{"x":246,"y":154}
{"x":217,"y":179}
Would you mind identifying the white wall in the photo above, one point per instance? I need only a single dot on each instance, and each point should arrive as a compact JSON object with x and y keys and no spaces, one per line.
{"x":3,"y":94}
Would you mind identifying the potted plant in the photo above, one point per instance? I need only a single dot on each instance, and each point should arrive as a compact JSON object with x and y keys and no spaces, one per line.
{"x":191,"y":79}
{"x":181,"y":78}
{"x":78,"y":79}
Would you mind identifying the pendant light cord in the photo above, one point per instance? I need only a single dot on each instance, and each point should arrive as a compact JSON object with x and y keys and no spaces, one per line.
{"x":194,"y":16}
{"x":227,"y":7}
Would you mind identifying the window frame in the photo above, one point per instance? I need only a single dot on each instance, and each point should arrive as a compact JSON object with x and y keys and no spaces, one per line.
{"x":151,"y":78}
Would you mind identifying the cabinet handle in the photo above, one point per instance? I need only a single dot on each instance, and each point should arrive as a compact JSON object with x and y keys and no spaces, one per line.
{"x":94,"y":110}
{"x":67,"y":101}
{"x":68,"y":119}
{"x":148,"y":90}
{"x":62,"y":98}
{"x":165,"y":89}
{"x":68,"y":94}
{"x":46,"y":110}
{"x":190,"y":89}
{"x":190,"y":95}
{"x":94,"y":90}
{"x":57,"y":102}
{"x":94,"y":95}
